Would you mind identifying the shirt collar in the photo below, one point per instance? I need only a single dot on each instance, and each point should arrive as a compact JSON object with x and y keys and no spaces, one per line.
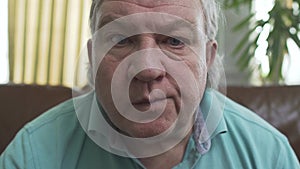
{"x":212,"y":107}
{"x":209,"y":120}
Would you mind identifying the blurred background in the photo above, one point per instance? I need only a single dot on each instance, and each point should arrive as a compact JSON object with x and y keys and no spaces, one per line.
{"x":42,"y":40}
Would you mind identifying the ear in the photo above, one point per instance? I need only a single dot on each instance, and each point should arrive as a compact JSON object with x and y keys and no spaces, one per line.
{"x":90,"y":51}
{"x":211,"y":52}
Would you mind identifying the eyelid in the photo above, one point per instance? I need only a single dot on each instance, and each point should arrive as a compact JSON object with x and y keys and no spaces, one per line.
{"x":122,"y":37}
{"x":115,"y":38}
{"x":183,"y":40}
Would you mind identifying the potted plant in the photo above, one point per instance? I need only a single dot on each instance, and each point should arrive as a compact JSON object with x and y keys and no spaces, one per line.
{"x":283,"y":24}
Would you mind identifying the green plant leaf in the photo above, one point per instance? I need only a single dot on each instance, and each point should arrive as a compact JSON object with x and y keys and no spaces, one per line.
{"x":295,"y":38}
{"x":247,"y":54}
{"x":245,"y":40}
{"x":236,"y":4}
{"x":281,"y":19}
{"x":245,"y":57}
{"x":243,"y":23}
{"x":276,"y":57}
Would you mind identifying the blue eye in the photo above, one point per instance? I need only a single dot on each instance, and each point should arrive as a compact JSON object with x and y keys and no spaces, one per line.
{"x":175,"y":42}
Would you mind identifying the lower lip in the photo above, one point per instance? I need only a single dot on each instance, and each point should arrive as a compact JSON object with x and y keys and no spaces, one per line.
{"x":142,"y":106}
{"x":146,"y":106}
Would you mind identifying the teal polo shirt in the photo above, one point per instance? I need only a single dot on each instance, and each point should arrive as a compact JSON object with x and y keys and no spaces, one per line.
{"x":241,"y":140}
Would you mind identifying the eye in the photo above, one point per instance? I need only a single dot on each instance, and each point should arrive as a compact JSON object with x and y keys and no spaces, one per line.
{"x":120,"y":40}
{"x":175,"y":42}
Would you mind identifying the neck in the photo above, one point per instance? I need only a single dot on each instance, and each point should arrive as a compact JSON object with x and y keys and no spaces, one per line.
{"x":168,"y":159}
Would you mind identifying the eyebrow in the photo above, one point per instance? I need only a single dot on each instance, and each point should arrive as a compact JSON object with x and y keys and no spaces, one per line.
{"x":105,"y":20}
{"x":169,"y":27}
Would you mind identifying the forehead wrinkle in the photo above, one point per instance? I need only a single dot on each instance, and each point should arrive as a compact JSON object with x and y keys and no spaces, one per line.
{"x":117,"y":11}
{"x":156,"y":3}
{"x":123,"y":6}
{"x":166,"y":23}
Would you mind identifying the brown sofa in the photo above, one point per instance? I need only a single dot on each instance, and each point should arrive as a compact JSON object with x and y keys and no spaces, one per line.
{"x":278,"y":105}
{"x":20,"y":104}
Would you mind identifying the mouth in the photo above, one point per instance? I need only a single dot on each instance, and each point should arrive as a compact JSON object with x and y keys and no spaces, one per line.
{"x":145,"y":103}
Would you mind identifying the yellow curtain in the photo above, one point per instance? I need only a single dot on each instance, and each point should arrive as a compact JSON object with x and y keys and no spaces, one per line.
{"x":45,"y":39}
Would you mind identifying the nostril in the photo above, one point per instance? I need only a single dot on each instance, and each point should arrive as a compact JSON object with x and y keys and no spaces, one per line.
{"x":159,"y":78}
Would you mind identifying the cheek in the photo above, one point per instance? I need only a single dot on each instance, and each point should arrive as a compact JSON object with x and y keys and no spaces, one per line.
{"x":197,"y":64}
{"x":103,"y":81}
{"x":199,"y":69}
{"x":103,"y":89}
{"x":105,"y":72}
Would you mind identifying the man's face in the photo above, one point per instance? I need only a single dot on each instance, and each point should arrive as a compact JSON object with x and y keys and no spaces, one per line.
{"x":157,"y":57}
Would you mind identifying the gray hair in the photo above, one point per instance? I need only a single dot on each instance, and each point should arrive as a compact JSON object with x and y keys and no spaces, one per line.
{"x":211,"y":12}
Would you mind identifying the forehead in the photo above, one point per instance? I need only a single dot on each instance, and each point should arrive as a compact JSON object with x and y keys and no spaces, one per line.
{"x":189,"y":10}
{"x":155,"y":3}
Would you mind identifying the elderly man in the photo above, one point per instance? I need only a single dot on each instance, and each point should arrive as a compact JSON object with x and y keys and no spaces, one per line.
{"x":153,"y":67}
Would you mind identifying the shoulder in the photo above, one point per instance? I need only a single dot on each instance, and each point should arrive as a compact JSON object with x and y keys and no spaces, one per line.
{"x":238,"y":116}
{"x":246,"y":141}
{"x":252,"y":136}
{"x":43,"y":142}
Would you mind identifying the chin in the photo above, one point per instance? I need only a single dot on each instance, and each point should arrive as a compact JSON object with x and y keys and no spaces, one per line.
{"x":143,"y":130}
{"x":149,"y":129}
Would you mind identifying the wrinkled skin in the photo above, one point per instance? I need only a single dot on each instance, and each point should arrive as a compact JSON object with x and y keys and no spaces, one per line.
{"x":147,"y":80}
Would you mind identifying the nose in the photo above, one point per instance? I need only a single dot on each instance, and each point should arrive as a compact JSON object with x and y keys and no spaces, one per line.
{"x":147,"y":65}
{"x":150,"y":74}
